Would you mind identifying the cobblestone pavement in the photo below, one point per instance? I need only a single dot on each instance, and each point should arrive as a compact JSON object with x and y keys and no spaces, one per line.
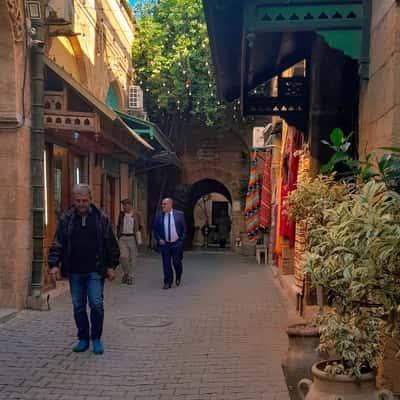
{"x":220,"y":336}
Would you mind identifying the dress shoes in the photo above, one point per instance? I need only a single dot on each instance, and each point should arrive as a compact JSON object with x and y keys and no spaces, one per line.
{"x":178,"y":282}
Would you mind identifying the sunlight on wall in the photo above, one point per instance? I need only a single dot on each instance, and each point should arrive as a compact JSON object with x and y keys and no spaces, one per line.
{"x":63,"y":54}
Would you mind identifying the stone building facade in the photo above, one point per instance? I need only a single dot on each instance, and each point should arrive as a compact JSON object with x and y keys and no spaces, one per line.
{"x":15,"y":186}
{"x":380,"y":95}
{"x":86,"y":73}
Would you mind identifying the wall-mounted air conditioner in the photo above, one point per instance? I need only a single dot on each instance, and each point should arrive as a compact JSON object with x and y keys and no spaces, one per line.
{"x":135,"y":98}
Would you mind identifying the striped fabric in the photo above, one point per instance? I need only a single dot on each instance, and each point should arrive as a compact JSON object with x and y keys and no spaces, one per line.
{"x":252,"y":216}
{"x":265,"y":212}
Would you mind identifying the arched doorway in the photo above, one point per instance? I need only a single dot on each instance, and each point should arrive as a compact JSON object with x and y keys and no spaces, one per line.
{"x":209,"y":202}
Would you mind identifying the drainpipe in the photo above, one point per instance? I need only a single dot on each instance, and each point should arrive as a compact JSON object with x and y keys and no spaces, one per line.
{"x":37,"y":300}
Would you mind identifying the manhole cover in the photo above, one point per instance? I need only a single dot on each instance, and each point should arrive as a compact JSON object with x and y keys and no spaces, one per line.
{"x":147,"y":321}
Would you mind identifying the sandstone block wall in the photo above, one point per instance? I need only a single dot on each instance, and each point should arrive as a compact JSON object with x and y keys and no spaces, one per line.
{"x":380,"y":96}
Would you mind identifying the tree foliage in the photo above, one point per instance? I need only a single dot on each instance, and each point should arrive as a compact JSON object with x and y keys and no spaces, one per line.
{"x":172,"y":61}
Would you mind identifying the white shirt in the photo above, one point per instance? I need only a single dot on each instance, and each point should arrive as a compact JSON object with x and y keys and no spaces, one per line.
{"x":174,"y":235}
{"x":129,"y":222}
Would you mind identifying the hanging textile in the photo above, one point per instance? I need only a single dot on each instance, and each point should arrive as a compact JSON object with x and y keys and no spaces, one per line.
{"x":289,"y":182}
{"x":252,"y":212}
{"x":278,"y":222}
{"x":265,"y":212}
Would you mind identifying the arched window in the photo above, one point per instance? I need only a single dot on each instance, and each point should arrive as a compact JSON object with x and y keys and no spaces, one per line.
{"x":112,"y":98}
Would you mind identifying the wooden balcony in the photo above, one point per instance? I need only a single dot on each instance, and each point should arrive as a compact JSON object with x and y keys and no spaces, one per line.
{"x":58,"y":117}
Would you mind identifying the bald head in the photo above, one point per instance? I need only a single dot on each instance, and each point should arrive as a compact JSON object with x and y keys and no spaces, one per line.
{"x":167,"y":204}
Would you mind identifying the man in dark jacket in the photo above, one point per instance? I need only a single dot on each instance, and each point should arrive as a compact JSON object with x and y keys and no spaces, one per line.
{"x":88,"y":251}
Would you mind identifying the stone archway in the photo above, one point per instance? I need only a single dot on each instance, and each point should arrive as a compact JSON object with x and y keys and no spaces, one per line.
{"x":197,"y":191}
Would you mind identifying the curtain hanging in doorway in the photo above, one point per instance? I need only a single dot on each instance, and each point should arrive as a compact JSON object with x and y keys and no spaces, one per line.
{"x":265,"y":212}
{"x":252,"y":216}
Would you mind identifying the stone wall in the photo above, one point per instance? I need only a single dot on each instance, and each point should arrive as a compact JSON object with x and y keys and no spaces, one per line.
{"x":221,"y":156}
{"x":380,"y":96}
{"x":15,"y":197}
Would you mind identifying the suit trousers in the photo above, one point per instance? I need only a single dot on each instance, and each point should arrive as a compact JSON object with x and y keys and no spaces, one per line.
{"x":172,"y":254}
{"x":128,"y":248}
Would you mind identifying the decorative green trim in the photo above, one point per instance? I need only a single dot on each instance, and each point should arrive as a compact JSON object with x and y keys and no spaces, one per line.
{"x":345,"y":24}
{"x":310,"y":16}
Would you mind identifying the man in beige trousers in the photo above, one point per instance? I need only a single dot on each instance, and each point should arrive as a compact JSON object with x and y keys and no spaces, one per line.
{"x":129,"y":224}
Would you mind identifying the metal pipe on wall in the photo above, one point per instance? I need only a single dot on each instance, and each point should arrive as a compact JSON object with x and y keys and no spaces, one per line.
{"x":37,"y":300}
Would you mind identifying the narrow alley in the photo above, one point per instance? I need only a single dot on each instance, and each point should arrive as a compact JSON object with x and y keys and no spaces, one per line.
{"x":220,"y":336}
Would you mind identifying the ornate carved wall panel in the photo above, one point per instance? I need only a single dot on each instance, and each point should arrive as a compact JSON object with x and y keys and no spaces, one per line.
{"x":16,"y":15}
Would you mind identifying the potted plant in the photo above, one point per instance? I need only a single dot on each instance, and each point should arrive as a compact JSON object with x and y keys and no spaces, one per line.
{"x":355,"y":256}
{"x":306,"y":205}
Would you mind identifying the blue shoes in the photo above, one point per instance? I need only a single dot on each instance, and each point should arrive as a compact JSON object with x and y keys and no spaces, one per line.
{"x":97,"y":346}
{"x":82,"y":346}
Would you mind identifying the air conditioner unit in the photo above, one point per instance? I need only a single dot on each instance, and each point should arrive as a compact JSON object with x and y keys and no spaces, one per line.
{"x":135,"y":99}
{"x":60,"y":12}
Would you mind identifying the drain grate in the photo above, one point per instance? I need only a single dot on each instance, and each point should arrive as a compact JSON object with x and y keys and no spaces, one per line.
{"x":146,"y":321}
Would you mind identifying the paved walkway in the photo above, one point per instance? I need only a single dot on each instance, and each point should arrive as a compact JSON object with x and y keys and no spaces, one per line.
{"x":220,"y":336}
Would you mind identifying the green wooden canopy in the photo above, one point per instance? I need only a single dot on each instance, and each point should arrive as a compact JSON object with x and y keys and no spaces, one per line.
{"x":164,"y":152}
{"x":254,"y":40}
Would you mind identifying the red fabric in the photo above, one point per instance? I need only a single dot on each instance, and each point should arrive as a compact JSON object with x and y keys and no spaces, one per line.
{"x":265,"y":212}
{"x":290,"y":182}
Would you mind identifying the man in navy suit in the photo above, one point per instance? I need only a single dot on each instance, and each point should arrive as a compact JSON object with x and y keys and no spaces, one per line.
{"x":169,"y":232}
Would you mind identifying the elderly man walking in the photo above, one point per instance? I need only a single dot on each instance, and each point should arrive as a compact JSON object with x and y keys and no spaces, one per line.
{"x":86,"y":248}
{"x":169,"y":232}
{"x":128,"y":229}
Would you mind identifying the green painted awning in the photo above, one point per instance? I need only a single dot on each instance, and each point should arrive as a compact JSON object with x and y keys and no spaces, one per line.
{"x":148,"y":130}
{"x":164,"y":153}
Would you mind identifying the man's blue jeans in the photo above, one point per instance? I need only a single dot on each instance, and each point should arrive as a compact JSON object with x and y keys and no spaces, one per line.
{"x":83,"y":287}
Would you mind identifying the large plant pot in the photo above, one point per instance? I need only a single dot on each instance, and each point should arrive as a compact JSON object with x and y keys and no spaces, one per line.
{"x":301,"y":355}
{"x":340,"y":387}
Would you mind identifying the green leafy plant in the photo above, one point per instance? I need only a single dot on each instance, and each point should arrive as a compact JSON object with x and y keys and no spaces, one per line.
{"x":311,"y":198}
{"x":352,"y":169}
{"x":389,"y":168}
{"x":355,"y":256}
{"x":386,"y":168}
{"x":172,"y":61}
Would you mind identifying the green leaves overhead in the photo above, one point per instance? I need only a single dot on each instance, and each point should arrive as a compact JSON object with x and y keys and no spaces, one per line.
{"x":172,"y":61}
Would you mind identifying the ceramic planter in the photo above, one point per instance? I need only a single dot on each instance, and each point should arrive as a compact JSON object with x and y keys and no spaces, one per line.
{"x":340,"y":387}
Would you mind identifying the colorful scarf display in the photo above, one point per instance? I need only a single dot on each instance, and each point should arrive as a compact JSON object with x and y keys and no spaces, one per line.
{"x":252,"y":212}
{"x":265,"y":212}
